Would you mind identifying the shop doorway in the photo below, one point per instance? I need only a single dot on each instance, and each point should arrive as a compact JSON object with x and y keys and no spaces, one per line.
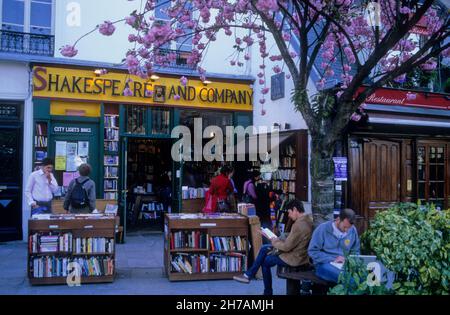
{"x":148,"y":185}
{"x":10,"y":172}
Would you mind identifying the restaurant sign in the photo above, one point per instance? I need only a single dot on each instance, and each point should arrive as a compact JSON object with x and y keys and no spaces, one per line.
{"x":385,"y":96}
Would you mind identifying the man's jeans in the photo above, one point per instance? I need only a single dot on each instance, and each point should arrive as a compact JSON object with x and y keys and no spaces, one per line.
{"x":266,"y":262}
{"x":328,"y":272}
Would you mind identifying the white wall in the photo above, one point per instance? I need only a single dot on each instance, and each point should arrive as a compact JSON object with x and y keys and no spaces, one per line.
{"x":17,"y":88}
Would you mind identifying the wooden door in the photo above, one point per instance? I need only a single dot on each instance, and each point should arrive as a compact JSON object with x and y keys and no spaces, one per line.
{"x":382,"y":176}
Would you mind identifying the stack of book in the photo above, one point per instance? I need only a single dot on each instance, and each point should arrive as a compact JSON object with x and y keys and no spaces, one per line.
{"x":190,"y":263}
{"x":50,"y":243}
{"x":111,"y":121}
{"x":111,"y":171}
{"x":111,"y":134}
{"x":51,"y":266}
{"x":94,"y":245}
{"x":232,"y":262}
{"x":188,"y":239}
{"x":228,"y":243}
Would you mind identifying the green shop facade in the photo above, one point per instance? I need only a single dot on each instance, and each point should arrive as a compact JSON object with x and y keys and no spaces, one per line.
{"x":121,"y":125}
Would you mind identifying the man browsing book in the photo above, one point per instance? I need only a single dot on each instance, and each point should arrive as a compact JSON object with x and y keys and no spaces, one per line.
{"x":289,"y":252}
{"x":330,"y":242}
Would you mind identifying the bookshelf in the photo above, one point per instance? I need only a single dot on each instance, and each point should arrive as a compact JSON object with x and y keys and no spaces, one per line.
{"x":56,"y":242}
{"x":111,"y":158}
{"x":40,"y":142}
{"x":205,"y":247}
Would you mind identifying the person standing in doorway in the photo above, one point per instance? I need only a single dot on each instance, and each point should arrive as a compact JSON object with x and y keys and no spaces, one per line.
{"x":80,"y":196}
{"x":41,"y":186}
{"x":219,"y":190}
{"x":249,"y":192}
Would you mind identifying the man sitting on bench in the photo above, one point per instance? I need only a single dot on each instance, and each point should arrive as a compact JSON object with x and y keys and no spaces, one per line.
{"x":330,"y":242}
{"x":289,"y":252}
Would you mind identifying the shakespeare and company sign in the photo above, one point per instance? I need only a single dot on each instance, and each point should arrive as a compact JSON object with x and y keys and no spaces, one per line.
{"x":76,"y":84}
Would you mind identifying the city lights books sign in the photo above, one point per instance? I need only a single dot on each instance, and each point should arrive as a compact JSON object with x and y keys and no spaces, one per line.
{"x":76,"y":84}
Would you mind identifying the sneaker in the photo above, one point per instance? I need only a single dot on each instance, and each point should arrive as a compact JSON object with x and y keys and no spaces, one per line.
{"x":242,"y":279}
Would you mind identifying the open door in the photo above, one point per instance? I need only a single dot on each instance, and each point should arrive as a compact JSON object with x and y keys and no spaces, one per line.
{"x":123,"y":184}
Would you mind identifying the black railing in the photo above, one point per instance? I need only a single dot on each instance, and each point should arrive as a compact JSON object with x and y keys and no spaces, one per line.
{"x":180,"y":60}
{"x":26,"y":43}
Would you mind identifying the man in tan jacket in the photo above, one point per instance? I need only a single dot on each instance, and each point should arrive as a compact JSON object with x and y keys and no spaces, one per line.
{"x":290,"y":252}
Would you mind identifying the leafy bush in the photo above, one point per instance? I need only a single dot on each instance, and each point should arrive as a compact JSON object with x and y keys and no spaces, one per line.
{"x":414,"y":242}
{"x":353,"y":281}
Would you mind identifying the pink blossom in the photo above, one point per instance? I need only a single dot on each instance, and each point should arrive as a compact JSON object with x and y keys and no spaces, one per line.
{"x":262,"y":101}
{"x":265,"y":90}
{"x":260,"y":75}
{"x":130,"y":20}
{"x":107,"y":28}
{"x":355,"y":117}
{"x":127,"y":92}
{"x":148,"y":93}
{"x":288,"y":76}
{"x":176,"y":97}
{"x":183,"y":81}
{"x":263,"y":112}
{"x":405,"y":10}
{"x":68,"y":51}
{"x":411,"y":96}
{"x":276,"y":69}
{"x":261,"y":81}
{"x":430,"y":65}
{"x":247,"y":57}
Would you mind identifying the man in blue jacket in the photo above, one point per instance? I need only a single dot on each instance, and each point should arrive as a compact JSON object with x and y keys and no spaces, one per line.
{"x":331,"y":242}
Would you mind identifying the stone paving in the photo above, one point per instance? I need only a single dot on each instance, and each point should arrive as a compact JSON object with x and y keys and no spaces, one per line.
{"x":139,"y":266}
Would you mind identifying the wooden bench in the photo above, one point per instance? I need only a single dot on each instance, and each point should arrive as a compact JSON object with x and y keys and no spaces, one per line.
{"x":298,"y":276}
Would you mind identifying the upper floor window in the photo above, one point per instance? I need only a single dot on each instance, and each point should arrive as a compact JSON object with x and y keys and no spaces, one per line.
{"x":182,"y":44}
{"x":28,"y":16}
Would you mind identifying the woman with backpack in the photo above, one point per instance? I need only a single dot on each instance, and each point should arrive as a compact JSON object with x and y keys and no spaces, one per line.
{"x":249,"y":193}
{"x":80,"y":196}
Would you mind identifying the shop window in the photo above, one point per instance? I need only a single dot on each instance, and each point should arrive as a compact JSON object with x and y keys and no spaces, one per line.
{"x":431,"y":171}
{"x":136,"y":119}
{"x":160,"y":121}
{"x":39,"y":13}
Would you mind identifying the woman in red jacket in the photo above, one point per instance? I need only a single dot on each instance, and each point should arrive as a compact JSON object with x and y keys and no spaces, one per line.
{"x":218,"y":192}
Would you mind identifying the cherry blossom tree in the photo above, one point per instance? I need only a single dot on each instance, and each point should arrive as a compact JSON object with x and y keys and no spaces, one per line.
{"x":361,"y":43}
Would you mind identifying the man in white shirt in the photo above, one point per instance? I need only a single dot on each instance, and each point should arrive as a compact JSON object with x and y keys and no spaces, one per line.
{"x":41,"y":186}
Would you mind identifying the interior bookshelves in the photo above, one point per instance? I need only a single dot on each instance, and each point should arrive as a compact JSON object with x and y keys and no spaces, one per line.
{"x":200,"y":247}
{"x":111,"y":151}
{"x":290,"y":178}
{"x":40,"y":142}
{"x":54,"y":243}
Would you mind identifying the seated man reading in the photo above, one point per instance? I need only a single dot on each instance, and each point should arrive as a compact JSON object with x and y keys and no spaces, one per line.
{"x":290,"y":252}
{"x":330,"y":242}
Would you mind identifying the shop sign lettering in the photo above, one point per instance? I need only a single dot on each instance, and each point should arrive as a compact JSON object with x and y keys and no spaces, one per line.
{"x":45,"y":81}
{"x":64,"y":129}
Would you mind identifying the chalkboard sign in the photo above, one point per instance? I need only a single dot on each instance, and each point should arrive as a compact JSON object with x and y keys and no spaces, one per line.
{"x":277,"y":86}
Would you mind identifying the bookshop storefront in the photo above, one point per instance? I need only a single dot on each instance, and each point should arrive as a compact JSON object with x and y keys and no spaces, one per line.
{"x":122,"y":126}
{"x":399,"y":152}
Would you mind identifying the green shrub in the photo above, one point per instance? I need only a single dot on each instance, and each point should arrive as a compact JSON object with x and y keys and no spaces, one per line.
{"x":413,"y":242}
{"x":353,"y":281}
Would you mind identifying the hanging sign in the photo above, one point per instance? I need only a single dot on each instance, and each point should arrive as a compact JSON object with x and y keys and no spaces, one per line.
{"x":340,"y":168}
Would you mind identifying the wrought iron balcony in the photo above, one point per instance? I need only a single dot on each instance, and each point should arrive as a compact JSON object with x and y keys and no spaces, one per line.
{"x":26,"y":43}
{"x":180,"y":61}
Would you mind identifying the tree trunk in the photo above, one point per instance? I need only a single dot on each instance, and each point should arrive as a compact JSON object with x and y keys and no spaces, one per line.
{"x":322,"y":180}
